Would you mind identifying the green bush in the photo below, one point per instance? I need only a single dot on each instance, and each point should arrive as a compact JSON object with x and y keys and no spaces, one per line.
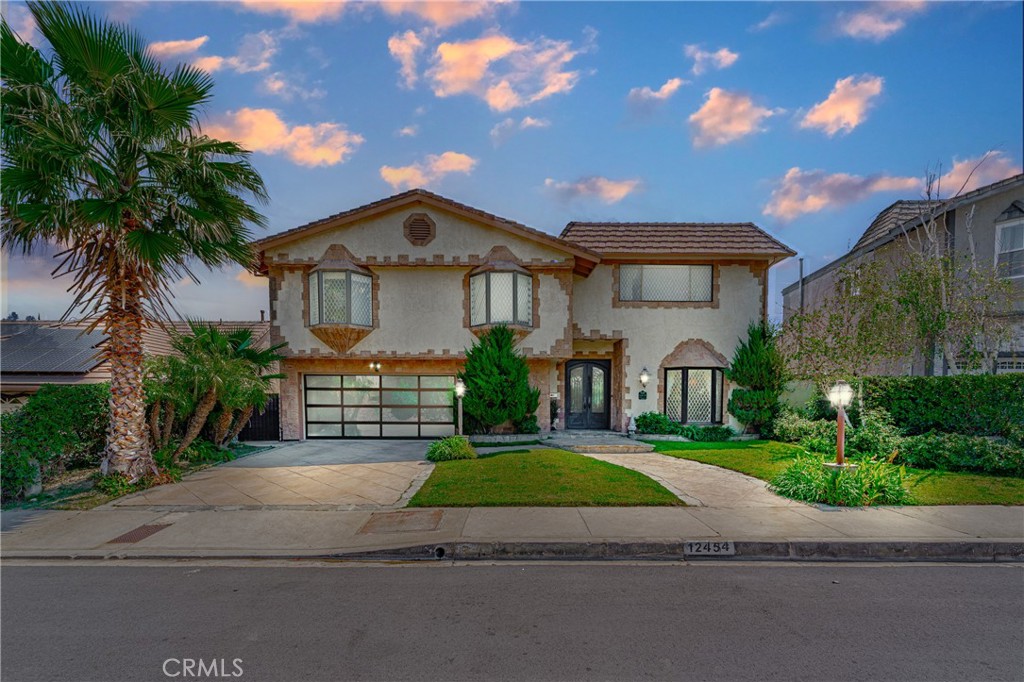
{"x":969,"y":404}
{"x":872,"y":482}
{"x":59,"y":427}
{"x":658,"y":424}
{"x":715,"y":433}
{"x":954,"y":452}
{"x":452,"y":447}
{"x":527,"y":425}
{"x":759,"y":370}
{"x":876,"y":436}
{"x":497,"y":382}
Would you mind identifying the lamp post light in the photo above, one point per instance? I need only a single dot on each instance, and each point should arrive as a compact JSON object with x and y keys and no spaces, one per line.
{"x":460,"y":390}
{"x":840,"y":396}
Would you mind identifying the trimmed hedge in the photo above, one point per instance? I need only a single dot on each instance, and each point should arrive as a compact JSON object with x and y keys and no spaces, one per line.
{"x":968,"y":404}
{"x":659,"y":424}
{"x":954,"y":452}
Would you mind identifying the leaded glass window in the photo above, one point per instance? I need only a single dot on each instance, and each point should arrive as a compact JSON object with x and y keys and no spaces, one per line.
{"x":694,"y":395}
{"x":672,"y":283}
{"x":501,"y":297}
{"x":340,"y":297}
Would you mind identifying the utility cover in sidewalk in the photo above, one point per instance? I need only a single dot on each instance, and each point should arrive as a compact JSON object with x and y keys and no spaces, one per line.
{"x":137,"y":534}
{"x":402,"y":522}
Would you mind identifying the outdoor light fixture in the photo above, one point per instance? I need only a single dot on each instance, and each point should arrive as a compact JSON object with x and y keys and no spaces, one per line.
{"x":460,"y":390}
{"x":645,"y":376}
{"x":374,"y":366}
{"x":840,"y":396}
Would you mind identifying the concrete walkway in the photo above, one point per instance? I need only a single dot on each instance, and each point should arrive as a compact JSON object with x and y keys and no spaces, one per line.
{"x":700,"y":485}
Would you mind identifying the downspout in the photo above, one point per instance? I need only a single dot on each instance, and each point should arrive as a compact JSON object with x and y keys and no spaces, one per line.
{"x":801,"y":286}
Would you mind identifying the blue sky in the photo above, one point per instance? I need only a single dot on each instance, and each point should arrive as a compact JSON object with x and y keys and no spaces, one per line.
{"x":806,"y":118}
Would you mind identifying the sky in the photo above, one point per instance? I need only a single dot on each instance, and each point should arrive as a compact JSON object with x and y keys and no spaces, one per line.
{"x":805,"y":118}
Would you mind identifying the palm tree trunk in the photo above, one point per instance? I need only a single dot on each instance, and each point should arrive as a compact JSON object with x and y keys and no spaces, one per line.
{"x":128,"y":450}
{"x":197,"y":421}
{"x":240,"y":422}
{"x":154,"y":423}
{"x":165,"y":435}
{"x":220,"y":428}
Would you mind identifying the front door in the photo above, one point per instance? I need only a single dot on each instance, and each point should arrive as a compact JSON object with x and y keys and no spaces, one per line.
{"x":588,"y":393}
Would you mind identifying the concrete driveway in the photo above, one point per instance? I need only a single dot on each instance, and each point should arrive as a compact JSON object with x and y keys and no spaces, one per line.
{"x":371,"y":474}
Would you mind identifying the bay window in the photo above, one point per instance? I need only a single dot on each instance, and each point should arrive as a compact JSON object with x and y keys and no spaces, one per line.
{"x":340,"y":297}
{"x":501,"y":296}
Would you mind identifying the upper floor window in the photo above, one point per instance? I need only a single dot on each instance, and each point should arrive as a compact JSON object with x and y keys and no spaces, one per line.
{"x":340,"y":297}
{"x":675,"y":283}
{"x":1010,"y":248}
{"x":499,"y":296}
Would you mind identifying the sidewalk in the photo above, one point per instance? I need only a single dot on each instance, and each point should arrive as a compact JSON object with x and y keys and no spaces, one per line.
{"x":799,"y":531}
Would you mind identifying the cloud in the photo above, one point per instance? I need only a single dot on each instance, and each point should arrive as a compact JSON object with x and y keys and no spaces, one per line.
{"x":644,"y":100}
{"x":22,"y":23}
{"x":405,"y":47}
{"x":967,"y":175}
{"x":506,"y":74}
{"x":879,"y":20}
{"x":262,"y":130}
{"x":287,"y":88}
{"x":703,"y":60}
{"x":501,"y":132}
{"x":408,"y":131}
{"x":774,"y":19}
{"x":432,"y":169}
{"x":608,"y":191}
{"x":173,"y":48}
{"x":801,"y":192}
{"x":298,"y":11}
{"x":250,"y":281}
{"x":846,"y":107}
{"x":726,"y":117}
{"x":254,"y":54}
{"x":443,"y":14}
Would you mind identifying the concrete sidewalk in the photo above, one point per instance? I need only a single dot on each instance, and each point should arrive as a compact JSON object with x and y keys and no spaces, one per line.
{"x":953,"y":533}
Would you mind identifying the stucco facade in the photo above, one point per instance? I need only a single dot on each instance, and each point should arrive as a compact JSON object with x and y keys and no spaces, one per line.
{"x":421,"y":310}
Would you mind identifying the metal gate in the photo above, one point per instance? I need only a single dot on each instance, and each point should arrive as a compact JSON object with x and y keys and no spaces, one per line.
{"x":265,"y":425}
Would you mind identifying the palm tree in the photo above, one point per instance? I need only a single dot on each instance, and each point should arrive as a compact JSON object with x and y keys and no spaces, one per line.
{"x":103,"y":157}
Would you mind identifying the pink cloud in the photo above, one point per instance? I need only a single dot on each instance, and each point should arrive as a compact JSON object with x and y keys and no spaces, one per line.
{"x":429,"y":171}
{"x":442,"y":14}
{"x":250,"y":281}
{"x":298,"y":11}
{"x":726,"y":117}
{"x":704,"y":60}
{"x":846,"y":107}
{"x":405,"y":48}
{"x":287,"y":88}
{"x":173,"y":48}
{"x":801,"y":192}
{"x":970,"y":174}
{"x":262,"y":130}
{"x":254,"y":53}
{"x":608,"y":191}
{"x":645,"y":99}
{"x":502,"y":131}
{"x":879,"y":20}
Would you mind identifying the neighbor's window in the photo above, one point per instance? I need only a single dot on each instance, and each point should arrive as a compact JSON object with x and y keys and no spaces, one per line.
{"x":1010,"y":248}
{"x":340,"y":297}
{"x":496,"y":297}
{"x":694,"y":394}
{"x":675,"y":283}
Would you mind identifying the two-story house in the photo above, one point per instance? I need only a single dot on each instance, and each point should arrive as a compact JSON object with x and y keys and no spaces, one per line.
{"x":378,"y":304}
{"x":988,"y":220}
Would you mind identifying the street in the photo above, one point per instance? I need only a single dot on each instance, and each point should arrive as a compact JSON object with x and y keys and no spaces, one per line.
{"x":439,"y":621}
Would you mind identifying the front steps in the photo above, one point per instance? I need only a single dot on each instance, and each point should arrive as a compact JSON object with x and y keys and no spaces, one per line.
{"x":607,"y":442}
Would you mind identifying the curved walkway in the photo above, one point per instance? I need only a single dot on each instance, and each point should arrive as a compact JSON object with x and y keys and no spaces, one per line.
{"x":700,"y":485}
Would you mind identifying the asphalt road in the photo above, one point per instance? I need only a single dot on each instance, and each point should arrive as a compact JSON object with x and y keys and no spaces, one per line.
{"x":513,"y":622}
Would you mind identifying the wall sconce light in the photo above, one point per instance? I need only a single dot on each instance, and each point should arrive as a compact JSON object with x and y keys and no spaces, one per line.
{"x":645,"y":376}
{"x":374,"y":366}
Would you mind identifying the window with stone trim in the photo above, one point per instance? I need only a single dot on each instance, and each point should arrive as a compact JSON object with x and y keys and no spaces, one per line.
{"x":340,"y":297}
{"x":498,"y":296}
{"x":666,"y":283}
{"x":694,"y":395}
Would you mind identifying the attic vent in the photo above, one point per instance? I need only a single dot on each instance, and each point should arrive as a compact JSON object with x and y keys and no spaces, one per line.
{"x":419,"y":229}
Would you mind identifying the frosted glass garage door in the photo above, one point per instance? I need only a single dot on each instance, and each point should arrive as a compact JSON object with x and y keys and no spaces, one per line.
{"x":376,"y":406}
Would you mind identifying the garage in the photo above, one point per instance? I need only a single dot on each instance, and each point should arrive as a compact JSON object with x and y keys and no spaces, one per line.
{"x":379,"y":406}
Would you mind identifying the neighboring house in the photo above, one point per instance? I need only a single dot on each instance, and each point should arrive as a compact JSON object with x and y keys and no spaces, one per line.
{"x":49,"y":352}
{"x":378,"y":304}
{"x":996,"y":214}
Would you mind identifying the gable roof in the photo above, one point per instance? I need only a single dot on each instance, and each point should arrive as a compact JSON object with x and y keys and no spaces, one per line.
{"x":894,"y":215}
{"x":744,"y":240}
{"x":421,"y":196}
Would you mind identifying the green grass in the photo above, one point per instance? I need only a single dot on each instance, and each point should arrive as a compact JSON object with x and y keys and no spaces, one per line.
{"x":765,"y":459}
{"x":513,"y":444}
{"x":538,"y":478}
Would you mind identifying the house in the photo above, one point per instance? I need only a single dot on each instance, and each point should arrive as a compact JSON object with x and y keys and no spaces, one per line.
{"x":378,"y":304}
{"x":992,"y":217}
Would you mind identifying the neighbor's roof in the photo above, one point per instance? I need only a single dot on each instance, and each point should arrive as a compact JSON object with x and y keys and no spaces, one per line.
{"x":894,"y":215}
{"x":676,"y":239}
{"x":41,"y":348}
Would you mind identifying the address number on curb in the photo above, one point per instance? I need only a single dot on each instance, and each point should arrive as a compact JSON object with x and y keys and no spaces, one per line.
{"x":709,"y":548}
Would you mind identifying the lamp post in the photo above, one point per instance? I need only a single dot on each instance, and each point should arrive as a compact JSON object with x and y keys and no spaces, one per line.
{"x":840,"y":396}
{"x":460,"y":390}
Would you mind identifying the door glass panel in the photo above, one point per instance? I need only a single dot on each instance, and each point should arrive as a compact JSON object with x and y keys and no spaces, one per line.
{"x":362,"y":397}
{"x":323,"y":397}
{"x":399,"y":414}
{"x":576,"y":389}
{"x":597,"y":379}
{"x":362,"y":381}
{"x":399,"y":382}
{"x":362,"y":414}
{"x":698,"y":395}
{"x":323,"y":414}
{"x":401,"y":430}
{"x":436,"y":414}
{"x":323,"y":430}
{"x":400,"y":397}
{"x":437,"y":382}
{"x":323,"y":382}
{"x":435,"y":398}
{"x":362,"y":430}
{"x":674,"y":394}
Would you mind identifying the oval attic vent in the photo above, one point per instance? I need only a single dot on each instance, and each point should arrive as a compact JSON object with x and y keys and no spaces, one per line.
{"x":419,"y":229}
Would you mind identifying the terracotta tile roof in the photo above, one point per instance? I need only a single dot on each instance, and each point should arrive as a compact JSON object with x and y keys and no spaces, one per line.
{"x":684,"y":239}
{"x":893,"y":215}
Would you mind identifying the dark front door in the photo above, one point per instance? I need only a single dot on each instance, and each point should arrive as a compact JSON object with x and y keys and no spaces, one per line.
{"x":588,"y":391}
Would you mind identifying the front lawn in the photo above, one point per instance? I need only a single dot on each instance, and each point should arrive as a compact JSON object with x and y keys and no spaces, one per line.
{"x":766,"y":459}
{"x":538,"y":478}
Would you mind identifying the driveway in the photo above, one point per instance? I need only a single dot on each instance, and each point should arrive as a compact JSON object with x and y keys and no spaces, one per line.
{"x":377,"y":474}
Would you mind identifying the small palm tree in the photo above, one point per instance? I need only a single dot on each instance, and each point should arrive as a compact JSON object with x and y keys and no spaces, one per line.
{"x":103,"y":157}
